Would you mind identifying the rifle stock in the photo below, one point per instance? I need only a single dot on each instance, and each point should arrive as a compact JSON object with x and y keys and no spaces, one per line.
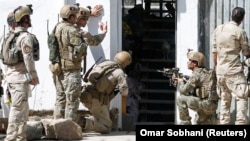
{"x":85,"y":77}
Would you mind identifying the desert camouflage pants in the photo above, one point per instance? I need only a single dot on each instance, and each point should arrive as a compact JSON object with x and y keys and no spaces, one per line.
{"x":68,"y":88}
{"x":59,"y":109}
{"x":205,"y":110}
{"x":100,"y":122}
{"x":19,"y":112}
{"x":228,"y":86}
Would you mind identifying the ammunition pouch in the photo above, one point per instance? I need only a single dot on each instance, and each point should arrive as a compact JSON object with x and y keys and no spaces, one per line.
{"x":77,"y":52}
{"x":36,"y":49}
{"x":15,"y":56}
{"x":201,"y":93}
{"x":70,"y":65}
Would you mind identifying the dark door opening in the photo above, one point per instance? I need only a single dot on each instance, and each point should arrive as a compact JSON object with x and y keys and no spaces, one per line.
{"x":149,"y":34}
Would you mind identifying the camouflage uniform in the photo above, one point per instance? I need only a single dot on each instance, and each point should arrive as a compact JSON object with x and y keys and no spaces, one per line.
{"x":98,"y":103}
{"x":68,"y":82}
{"x":71,"y":58}
{"x":19,"y":87}
{"x":85,"y":39}
{"x":205,"y":107}
{"x":91,"y":40}
{"x":228,"y":41}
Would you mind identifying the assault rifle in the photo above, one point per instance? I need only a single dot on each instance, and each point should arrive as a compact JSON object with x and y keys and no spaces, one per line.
{"x":170,"y":72}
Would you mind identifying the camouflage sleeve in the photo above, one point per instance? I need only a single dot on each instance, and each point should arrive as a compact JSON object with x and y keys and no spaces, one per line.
{"x":122,"y":83}
{"x":74,"y":37}
{"x":27,"y":47}
{"x":92,"y":40}
{"x":245,"y":44}
{"x":189,"y":86}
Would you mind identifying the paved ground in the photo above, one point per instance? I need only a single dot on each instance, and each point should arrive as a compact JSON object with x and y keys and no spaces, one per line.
{"x":113,"y":136}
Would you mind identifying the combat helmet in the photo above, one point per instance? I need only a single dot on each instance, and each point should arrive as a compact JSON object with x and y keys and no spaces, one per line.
{"x":68,"y":10}
{"x":22,"y":11}
{"x":83,"y":13}
{"x":197,"y":56}
{"x":123,"y":58}
{"x":10,"y":18}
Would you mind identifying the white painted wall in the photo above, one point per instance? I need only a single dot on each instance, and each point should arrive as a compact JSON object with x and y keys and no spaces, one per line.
{"x":186,"y":36}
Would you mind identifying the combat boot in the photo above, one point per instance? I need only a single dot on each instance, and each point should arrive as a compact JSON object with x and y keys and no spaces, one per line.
{"x":81,"y":121}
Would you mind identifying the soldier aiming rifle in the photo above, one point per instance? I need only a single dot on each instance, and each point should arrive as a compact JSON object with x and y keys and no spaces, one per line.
{"x":173,"y":72}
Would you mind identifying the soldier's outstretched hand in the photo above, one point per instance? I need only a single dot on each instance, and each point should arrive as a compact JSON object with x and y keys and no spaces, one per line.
{"x":103,"y":27}
{"x":34,"y":81}
{"x":96,"y":11}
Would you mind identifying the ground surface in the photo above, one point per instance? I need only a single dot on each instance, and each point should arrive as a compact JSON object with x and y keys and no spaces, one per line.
{"x":91,"y":136}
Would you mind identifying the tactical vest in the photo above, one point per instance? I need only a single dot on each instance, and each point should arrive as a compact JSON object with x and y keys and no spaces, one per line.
{"x":11,"y":53}
{"x":71,"y":55}
{"x":208,"y":84}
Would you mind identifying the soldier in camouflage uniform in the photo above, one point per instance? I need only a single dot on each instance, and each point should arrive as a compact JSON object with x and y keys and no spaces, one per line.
{"x":92,"y":40}
{"x":21,"y":75}
{"x":198,"y":93}
{"x":228,"y":42}
{"x":98,"y":102}
{"x":68,"y":78}
{"x":82,"y":19}
{"x":69,"y":67}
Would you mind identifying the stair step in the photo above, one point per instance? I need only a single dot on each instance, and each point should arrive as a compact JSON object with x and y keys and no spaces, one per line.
{"x":158,"y":91}
{"x":153,"y":40}
{"x":161,"y":20}
{"x":159,"y":30}
{"x":156,"y":112}
{"x":155,"y":123}
{"x":164,"y":80}
{"x":144,"y":69}
{"x":156,"y":60}
{"x":157,"y":101}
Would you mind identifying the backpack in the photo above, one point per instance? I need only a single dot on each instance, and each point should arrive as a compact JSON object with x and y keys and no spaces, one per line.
{"x":10,"y":53}
{"x":54,"y":55}
{"x":98,"y":74}
{"x":208,"y":83}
